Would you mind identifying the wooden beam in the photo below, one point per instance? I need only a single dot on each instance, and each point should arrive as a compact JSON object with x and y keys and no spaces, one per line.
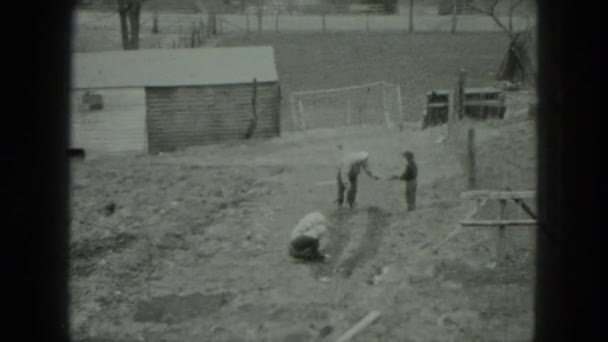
{"x":369,"y":319}
{"x":491,"y":194}
{"x":496,"y":223}
{"x":526,"y":208}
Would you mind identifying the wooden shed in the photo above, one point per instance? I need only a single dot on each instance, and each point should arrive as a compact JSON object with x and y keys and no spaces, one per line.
{"x":163,"y":100}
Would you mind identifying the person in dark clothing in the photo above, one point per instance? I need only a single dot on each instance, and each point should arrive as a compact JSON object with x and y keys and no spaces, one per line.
{"x":410,"y":176}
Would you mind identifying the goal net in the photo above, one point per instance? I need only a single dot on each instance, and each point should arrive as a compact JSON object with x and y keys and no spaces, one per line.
{"x":367,"y":104}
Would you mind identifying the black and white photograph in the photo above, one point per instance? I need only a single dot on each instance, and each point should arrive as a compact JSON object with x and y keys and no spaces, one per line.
{"x":303,"y":170}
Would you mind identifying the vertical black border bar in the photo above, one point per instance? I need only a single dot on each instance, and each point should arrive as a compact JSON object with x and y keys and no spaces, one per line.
{"x":568,"y":43}
{"x":35,"y":155}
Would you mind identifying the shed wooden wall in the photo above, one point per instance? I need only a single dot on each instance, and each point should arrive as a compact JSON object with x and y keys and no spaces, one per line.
{"x":179,"y":117}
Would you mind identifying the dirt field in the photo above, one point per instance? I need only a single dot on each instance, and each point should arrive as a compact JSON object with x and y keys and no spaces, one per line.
{"x":192,"y":246}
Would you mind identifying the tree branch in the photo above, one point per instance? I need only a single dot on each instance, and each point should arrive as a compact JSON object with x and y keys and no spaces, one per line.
{"x":491,"y":12}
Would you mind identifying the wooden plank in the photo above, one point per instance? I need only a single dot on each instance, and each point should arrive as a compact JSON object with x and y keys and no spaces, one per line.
{"x":362,"y":324}
{"x":480,"y":204}
{"x":495,"y":223}
{"x":491,"y":194}
{"x":483,"y":103}
{"x":526,"y":208}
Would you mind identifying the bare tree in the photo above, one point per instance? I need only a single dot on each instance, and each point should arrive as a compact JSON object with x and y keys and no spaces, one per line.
{"x":129,"y":12}
{"x":490,"y":9}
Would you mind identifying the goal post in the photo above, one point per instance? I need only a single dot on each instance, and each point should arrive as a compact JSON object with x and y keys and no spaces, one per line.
{"x":366,"y":104}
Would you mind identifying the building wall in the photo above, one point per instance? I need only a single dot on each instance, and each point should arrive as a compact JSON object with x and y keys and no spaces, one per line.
{"x":179,"y":117}
{"x":119,"y":126}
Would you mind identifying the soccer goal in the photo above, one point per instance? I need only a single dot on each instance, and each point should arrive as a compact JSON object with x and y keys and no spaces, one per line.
{"x":365,"y":104}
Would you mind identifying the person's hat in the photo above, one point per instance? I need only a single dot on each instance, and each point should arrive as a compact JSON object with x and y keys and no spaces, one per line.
{"x":408,"y":154}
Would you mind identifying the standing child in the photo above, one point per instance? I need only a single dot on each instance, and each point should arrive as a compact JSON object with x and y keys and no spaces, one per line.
{"x":410,"y":176}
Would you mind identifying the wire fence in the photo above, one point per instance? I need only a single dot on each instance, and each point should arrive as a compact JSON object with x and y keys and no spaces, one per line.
{"x":252,"y":21}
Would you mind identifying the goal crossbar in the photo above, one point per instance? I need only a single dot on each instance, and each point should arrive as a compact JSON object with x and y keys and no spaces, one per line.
{"x":337,"y":90}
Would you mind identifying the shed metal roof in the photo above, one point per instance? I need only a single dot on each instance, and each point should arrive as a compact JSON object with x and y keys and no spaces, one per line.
{"x":173,"y":67}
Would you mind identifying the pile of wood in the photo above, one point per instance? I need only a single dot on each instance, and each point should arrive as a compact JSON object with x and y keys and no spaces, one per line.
{"x":479,"y":103}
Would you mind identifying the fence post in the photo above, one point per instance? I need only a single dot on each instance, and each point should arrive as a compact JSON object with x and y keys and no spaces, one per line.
{"x":451,"y":111}
{"x":349,"y":113}
{"x":471,"y":159}
{"x":511,"y":9}
{"x":260,"y":16}
{"x":454,"y":15}
{"x":461,"y":93}
{"x":293,"y":111}
{"x":301,"y":110}
{"x":155,"y":21}
{"x":323,"y":20}
{"x":254,"y":114}
{"x":192,"y":35}
{"x":500,"y":241}
{"x":411,"y":17}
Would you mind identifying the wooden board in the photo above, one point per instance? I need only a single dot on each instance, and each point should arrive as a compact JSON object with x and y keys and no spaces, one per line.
{"x":489,"y":194}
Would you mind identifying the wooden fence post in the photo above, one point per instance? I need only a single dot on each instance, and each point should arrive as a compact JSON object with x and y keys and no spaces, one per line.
{"x":461,"y":93}
{"x":349,"y":113}
{"x":471,"y":159}
{"x":294,"y":118}
{"x":511,"y":10}
{"x":192,"y":36}
{"x":323,"y":21}
{"x":454,"y":15}
{"x":254,"y":115}
{"x":301,"y":110}
{"x":500,"y":242}
{"x":260,"y":13}
{"x":451,"y":115}
{"x":411,"y":17}
{"x":155,"y":22}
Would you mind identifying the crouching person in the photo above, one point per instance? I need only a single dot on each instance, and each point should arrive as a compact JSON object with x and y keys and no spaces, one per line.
{"x":309,"y":238}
